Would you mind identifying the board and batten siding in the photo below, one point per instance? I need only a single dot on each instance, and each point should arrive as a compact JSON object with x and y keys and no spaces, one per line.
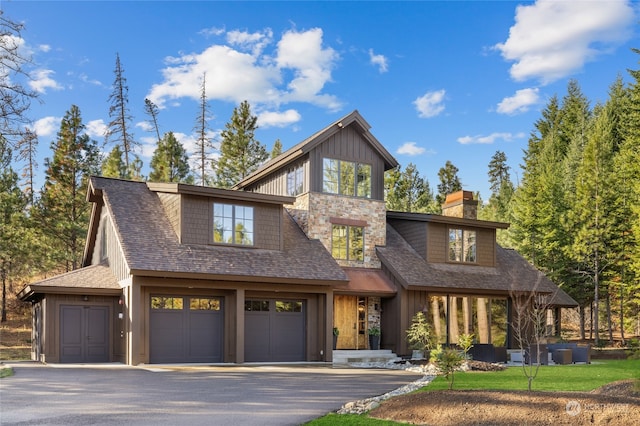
{"x":197,"y":226}
{"x":107,"y":248}
{"x":349,"y":145}
{"x":276,"y":183}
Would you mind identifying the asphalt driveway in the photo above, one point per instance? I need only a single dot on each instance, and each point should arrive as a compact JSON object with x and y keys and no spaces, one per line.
{"x":229,"y":395}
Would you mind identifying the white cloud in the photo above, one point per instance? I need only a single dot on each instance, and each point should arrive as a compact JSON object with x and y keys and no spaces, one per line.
{"x":44,"y":48}
{"x":254,"y":42}
{"x":41,"y":81}
{"x":312,"y":65}
{"x":552,"y":39}
{"x":519,"y":102}
{"x":410,"y":148}
{"x":213,"y":31}
{"x":430,"y":104}
{"x":278,"y":119}
{"x":244,"y":70}
{"x":47,"y":126}
{"x":379,"y":60}
{"x":489,"y":139}
{"x":96,"y":128}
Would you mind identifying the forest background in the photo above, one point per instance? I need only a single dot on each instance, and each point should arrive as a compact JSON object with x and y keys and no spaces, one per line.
{"x":574,"y":214}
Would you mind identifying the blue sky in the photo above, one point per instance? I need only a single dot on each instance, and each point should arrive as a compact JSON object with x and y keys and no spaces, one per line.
{"x":437,"y":81}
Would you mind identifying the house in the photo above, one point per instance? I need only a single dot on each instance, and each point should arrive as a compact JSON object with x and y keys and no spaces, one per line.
{"x":264,"y":271}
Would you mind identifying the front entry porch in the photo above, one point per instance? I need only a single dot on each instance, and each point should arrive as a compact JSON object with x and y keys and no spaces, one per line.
{"x":354,"y":316}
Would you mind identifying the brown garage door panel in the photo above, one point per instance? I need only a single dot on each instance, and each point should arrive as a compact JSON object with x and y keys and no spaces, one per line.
{"x":272,"y":335}
{"x":84,"y":333}
{"x":185,"y":333}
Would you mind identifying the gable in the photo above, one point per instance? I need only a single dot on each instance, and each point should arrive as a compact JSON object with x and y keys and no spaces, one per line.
{"x":347,"y":138}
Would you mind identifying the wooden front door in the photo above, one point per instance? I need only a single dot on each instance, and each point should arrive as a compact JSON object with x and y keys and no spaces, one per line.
{"x":349,"y":315}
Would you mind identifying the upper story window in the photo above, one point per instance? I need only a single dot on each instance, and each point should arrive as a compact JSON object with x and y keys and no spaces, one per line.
{"x":295,"y":181}
{"x":347,"y":242}
{"x":462,"y":245}
{"x":232,"y":224}
{"x":346,"y":178}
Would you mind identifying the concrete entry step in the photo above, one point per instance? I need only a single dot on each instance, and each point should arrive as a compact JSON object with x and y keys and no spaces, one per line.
{"x":364,"y":356}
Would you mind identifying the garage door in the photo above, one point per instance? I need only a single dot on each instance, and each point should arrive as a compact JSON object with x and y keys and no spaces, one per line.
{"x":84,"y":333}
{"x":274,"y":331}
{"x":186,"y":329}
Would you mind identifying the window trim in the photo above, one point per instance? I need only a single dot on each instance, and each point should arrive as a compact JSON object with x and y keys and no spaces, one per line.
{"x":295,"y":175}
{"x":337,"y":175}
{"x":464,"y":250}
{"x":348,"y":247}
{"x":234,"y":222}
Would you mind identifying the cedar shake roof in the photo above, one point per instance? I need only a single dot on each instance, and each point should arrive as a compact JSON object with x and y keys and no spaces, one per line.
{"x":94,"y":279}
{"x":302,"y":148}
{"x":511,"y":274}
{"x":151,"y":247}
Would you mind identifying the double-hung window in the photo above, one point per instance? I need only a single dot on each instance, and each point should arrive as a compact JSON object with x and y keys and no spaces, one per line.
{"x":347,"y":242}
{"x":346,"y":178}
{"x":462,"y":245}
{"x":232,"y":224}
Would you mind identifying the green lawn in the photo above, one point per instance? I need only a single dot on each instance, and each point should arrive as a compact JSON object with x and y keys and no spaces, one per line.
{"x":579,"y":377}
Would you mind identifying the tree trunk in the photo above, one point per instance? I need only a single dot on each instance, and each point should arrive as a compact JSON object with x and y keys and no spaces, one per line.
{"x":582,"y":321}
{"x":453,"y":320}
{"x":609,"y":319}
{"x":483,"y":322}
{"x":435,"y":311}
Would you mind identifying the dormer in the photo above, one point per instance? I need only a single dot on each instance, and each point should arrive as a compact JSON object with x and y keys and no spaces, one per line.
{"x":456,"y":237}
{"x":214,"y":216}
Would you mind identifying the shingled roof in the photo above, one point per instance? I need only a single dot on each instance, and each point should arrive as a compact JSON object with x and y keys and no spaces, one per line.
{"x":511,"y":274}
{"x":94,"y":279}
{"x":151,"y":247}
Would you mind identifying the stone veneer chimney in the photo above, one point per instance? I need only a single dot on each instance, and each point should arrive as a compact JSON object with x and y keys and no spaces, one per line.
{"x":460,"y":204}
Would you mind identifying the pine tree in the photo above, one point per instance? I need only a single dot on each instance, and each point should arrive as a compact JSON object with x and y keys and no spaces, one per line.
{"x":591,"y":212}
{"x":27,"y":151}
{"x":498,"y":207}
{"x":64,"y":212}
{"x":449,"y":182}
{"x":16,"y":98}
{"x":407,"y":191}
{"x":151,"y":110}
{"x":204,"y":144}
{"x":277,"y":148}
{"x":13,"y":231}
{"x":170,"y":162}
{"x":240,"y":152}
{"x":119,"y":127}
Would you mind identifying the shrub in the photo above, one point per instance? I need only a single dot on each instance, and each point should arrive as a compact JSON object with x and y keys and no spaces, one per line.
{"x":420,"y":334}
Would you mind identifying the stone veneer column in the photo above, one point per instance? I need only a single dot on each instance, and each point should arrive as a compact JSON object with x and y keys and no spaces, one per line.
{"x":314,"y":210}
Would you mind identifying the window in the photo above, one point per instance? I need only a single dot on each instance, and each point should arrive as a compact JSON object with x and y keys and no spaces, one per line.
{"x":204,"y":304}
{"x":256,"y":305}
{"x":346,"y":178}
{"x":286,"y":306}
{"x":232,"y":224}
{"x":347,"y":242}
{"x":462,"y":245}
{"x":295,"y":181}
{"x":162,"y":302}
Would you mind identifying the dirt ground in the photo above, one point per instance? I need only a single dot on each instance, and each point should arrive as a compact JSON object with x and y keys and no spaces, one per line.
{"x":613,"y":404}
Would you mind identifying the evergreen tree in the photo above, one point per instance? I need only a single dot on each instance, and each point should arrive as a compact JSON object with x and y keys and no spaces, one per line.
{"x":592,"y":246}
{"x":16,"y":98}
{"x":151,"y":110}
{"x":119,"y":127}
{"x":64,"y":212}
{"x":449,"y":182}
{"x":240,"y":152}
{"x":27,"y":151}
{"x":13,"y":230}
{"x":204,"y":144}
{"x":277,"y":148}
{"x":170,"y":162}
{"x":407,"y":191}
{"x":499,"y":206}
{"x":113,"y":166}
